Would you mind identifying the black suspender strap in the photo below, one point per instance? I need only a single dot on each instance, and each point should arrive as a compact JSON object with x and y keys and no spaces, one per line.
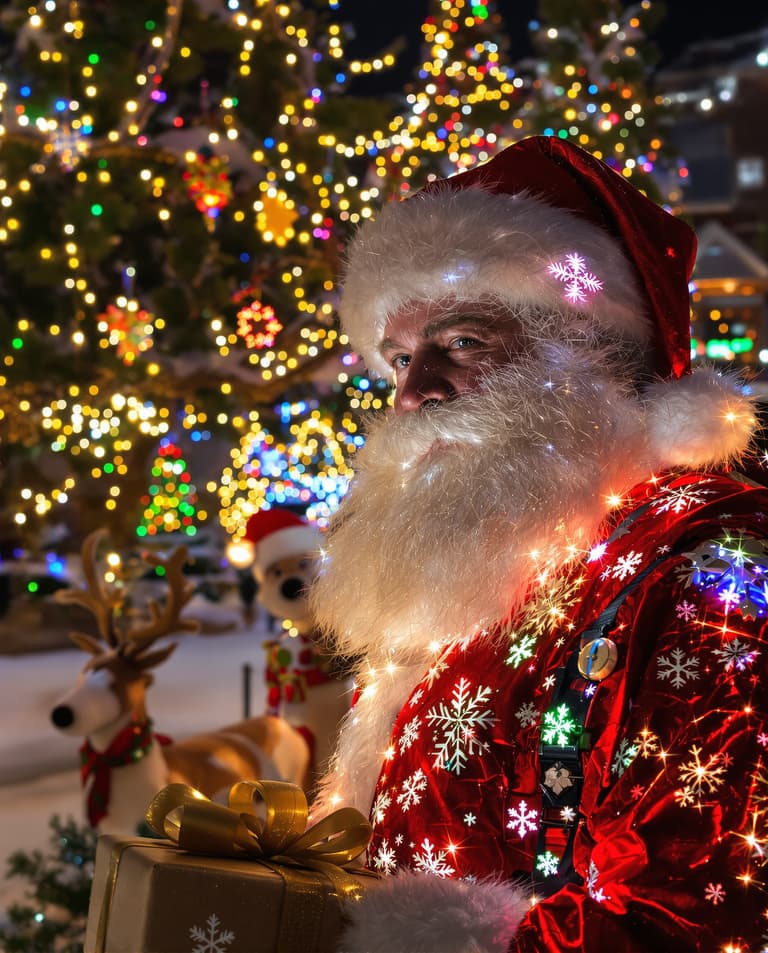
{"x":561,"y":768}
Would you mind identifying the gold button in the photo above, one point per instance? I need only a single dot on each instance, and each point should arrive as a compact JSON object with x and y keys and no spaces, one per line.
{"x":597,"y":659}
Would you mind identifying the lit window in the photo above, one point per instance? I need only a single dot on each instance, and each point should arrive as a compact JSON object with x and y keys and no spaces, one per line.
{"x":750,"y":172}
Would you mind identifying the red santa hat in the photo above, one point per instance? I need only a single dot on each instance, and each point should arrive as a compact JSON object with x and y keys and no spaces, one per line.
{"x":277,"y":534}
{"x":545,"y":223}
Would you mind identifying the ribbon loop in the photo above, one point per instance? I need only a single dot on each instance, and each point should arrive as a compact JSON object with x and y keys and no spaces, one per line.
{"x":264,"y":820}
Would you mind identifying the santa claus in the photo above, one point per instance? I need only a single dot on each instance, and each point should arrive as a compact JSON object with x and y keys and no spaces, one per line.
{"x":555,"y":579}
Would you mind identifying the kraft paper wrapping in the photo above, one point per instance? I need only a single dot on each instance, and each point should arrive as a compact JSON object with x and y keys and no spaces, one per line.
{"x":150,"y":897}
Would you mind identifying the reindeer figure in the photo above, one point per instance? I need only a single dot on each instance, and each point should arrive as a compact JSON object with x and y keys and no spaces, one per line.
{"x":123,"y":762}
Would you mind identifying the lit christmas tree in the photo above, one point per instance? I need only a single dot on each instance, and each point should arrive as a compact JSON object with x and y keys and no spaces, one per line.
{"x":173,"y":201}
{"x":169,"y":505}
{"x":461,"y":105}
{"x":589,"y":82}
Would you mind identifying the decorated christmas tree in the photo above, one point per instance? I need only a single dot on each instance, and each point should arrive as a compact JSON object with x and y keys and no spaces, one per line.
{"x":169,"y":505}
{"x":589,"y":81}
{"x":51,"y":918}
{"x":174,"y":198}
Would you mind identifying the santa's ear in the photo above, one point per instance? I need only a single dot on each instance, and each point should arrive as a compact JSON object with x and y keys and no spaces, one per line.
{"x":704,"y":419}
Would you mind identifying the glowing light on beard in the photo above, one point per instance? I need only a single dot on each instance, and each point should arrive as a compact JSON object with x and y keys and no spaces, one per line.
{"x":435,"y":537}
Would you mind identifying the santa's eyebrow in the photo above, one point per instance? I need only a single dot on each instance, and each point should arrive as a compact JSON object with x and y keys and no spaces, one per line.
{"x":437,"y":326}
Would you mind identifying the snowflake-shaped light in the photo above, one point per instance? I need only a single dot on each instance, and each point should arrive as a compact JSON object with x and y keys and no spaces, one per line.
{"x":579,"y":283}
{"x":558,"y":726}
{"x":522,"y":819}
{"x":734,"y":569}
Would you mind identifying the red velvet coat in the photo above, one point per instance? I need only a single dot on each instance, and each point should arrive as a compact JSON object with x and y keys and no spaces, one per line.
{"x":670,"y":850}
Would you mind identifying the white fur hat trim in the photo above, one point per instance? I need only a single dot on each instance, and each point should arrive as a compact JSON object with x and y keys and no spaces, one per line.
{"x":472,"y":244}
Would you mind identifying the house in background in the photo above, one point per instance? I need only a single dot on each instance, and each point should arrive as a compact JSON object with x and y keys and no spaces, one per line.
{"x":717,"y":94}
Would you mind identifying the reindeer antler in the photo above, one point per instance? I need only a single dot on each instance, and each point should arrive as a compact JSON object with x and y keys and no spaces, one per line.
{"x":132,"y":644}
{"x":164,"y":618}
{"x":97,"y":597}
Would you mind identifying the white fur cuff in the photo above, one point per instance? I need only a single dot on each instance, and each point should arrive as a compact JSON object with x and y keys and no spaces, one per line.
{"x":421,"y":913}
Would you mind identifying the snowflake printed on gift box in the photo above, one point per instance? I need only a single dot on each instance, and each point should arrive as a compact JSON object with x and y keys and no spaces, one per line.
{"x":211,"y":941}
{"x":431,"y":860}
{"x":679,"y":668}
{"x":458,"y":721}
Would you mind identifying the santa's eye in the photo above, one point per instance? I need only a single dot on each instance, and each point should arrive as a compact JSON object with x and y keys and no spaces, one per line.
{"x":400,"y":361}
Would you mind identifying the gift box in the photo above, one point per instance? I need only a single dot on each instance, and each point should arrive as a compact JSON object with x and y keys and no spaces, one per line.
{"x":155,"y":896}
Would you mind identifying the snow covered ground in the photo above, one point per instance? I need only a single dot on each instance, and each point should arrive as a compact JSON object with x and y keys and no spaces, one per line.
{"x":198,"y":688}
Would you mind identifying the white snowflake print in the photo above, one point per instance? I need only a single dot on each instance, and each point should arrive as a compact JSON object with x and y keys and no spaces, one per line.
{"x":409,"y":735}
{"x":211,"y":941}
{"x":380,"y":805}
{"x":626,"y":565}
{"x":527,"y":715}
{"x":458,"y":723}
{"x":434,"y":672}
{"x":547,"y":863}
{"x":470,"y":819}
{"x":714,"y":893}
{"x":432,"y":861}
{"x":578,"y":281}
{"x":623,"y":757}
{"x":685,"y":610}
{"x":398,"y":839}
{"x":548,"y":682}
{"x":522,"y":820}
{"x":677,"y":499}
{"x":700,"y":777}
{"x":597,"y":893}
{"x":679,"y":668}
{"x":384,"y":859}
{"x":521,"y":650}
{"x":568,"y":814}
{"x":412,"y":788}
{"x":416,"y":697}
{"x":735,"y":654}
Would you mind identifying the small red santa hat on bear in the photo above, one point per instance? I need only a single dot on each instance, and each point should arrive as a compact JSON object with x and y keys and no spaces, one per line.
{"x":546,"y":224}
{"x":277,"y":534}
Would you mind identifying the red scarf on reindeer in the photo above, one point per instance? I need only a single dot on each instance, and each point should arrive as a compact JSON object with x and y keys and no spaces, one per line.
{"x":129,"y":745}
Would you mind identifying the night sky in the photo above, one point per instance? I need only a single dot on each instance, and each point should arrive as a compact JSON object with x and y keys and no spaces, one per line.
{"x":379,"y":23}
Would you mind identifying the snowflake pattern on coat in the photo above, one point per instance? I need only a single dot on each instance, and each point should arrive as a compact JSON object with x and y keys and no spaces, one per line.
{"x":675,"y":755}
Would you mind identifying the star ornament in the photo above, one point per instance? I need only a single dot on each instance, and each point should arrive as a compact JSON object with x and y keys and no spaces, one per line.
{"x":580,"y":284}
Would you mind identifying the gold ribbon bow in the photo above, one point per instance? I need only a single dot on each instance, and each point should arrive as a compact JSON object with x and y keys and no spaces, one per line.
{"x":264,"y":820}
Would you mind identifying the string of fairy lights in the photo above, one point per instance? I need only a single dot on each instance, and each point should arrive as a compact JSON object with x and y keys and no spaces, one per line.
{"x":464,"y":104}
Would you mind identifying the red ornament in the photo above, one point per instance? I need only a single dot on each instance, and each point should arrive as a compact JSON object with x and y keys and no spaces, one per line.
{"x":257,"y":325}
{"x":208,"y":183}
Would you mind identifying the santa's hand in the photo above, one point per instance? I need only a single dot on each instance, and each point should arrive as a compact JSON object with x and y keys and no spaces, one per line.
{"x":422,"y":913}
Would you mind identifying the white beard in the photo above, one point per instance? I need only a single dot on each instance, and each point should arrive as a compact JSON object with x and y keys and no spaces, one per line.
{"x":458,"y":508}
